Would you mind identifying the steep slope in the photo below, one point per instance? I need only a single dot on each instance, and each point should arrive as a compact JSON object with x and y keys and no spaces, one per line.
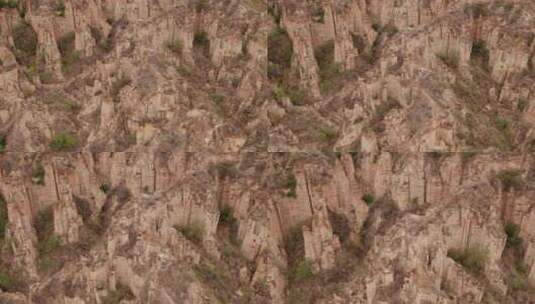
{"x":243,"y":151}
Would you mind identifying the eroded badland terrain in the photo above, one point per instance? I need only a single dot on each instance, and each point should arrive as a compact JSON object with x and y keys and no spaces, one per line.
{"x":289,"y":151}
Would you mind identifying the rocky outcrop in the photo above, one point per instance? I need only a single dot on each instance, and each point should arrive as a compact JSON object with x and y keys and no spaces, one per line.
{"x":173,"y":169}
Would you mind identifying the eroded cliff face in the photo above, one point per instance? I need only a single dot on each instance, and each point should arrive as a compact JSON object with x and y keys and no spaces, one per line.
{"x":245,"y":151}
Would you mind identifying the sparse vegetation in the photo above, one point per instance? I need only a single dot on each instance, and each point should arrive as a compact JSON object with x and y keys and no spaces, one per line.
{"x":116,"y":296}
{"x":184,"y":70}
{"x":303,"y":271}
{"x":5,"y":281}
{"x":3,"y":217}
{"x":522,"y":104}
{"x":510,"y":179}
{"x":480,"y":53}
{"x":472,"y":258}
{"x":118,"y":85}
{"x":2,"y":143}
{"x":329,"y":70}
{"x":368,"y":198}
{"x":67,"y":50}
{"x":63,"y":142}
{"x":105,"y":188}
{"x":201,"y":6}
{"x":291,"y":186}
{"x":25,"y":40}
{"x":326,"y":134}
{"x":38,"y":174}
{"x":214,"y":276}
{"x":226,"y":216}
{"x":104,"y":43}
{"x":280,"y":52}
{"x":8,"y":4}
{"x":476,"y":10}
{"x":194,"y":231}
{"x":318,"y":14}
{"x":449,"y":58}
{"x":228,"y":223}
{"x":59,"y":8}
{"x":225,"y":169}
{"x":377,"y":122}
{"x":175,"y":46}
{"x":296,"y":95}
{"x":201,"y":43}
{"x":513,"y":235}
{"x":48,"y":242}
{"x":217,"y":98}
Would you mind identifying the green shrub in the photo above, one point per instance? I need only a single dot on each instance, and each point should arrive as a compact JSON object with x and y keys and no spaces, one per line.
{"x":519,"y":282}
{"x":449,"y":58}
{"x":184,"y":70}
{"x":2,"y":143}
{"x":69,"y":59}
{"x":59,"y":8}
{"x":296,"y":95}
{"x":66,"y":43}
{"x":510,"y":179}
{"x":216,"y":278}
{"x":63,"y":142}
{"x":502,"y":124}
{"x":226,"y":216}
{"x":43,"y":223}
{"x":105,"y":188}
{"x":201,"y":5}
{"x":6,"y":282}
{"x":25,"y":40}
{"x":70,"y":105}
{"x":225,"y":169}
{"x":329,"y":70}
{"x":38,"y":175}
{"x":295,"y":245}
{"x":318,"y":14}
{"x":472,"y":258}
{"x":513,"y":238}
{"x":8,"y":3}
{"x":217,"y":98}
{"x":368,"y":199}
{"x":50,"y":244}
{"x":291,"y":186}
{"x":4,"y":220}
{"x":45,"y":76}
{"x":175,"y":46}
{"x":326,"y":134}
{"x":303,"y":271}
{"x":201,"y":43}
{"x":480,"y":53}
{"x":390,"y":29}
{"x":280,"y":52}
{"x":67,"y":50}
{"x":522,"y":104}
{"x":194,"y":231}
